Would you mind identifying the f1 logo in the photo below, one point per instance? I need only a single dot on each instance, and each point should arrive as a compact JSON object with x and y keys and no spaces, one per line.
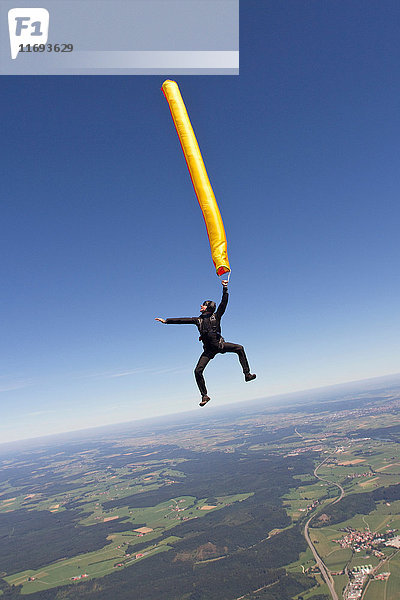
{"x":27,"y":26}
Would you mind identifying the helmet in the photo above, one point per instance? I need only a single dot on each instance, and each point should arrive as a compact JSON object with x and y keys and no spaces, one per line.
{"x":211,"y":306}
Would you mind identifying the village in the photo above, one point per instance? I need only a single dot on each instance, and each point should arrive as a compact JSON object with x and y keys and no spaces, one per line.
{"x":358,"y":577}
{"x":370,"y":542}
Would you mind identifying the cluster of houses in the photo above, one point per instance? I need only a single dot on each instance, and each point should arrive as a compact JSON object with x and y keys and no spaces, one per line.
{"x":357,"y":475}
{"x":354,"y":588}
{"x":310,"y":506}
{"x":301,"y":449}
{"x":394,"y":541}
{"x":367,"y":540}
{"x":77,"y":577}
{"x":382,"y":576}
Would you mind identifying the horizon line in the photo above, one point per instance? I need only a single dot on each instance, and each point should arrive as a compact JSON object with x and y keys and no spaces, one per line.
{"x":317,"y":389}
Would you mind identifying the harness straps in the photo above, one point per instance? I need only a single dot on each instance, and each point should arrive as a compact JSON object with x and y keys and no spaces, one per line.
{"x":213,"y":325}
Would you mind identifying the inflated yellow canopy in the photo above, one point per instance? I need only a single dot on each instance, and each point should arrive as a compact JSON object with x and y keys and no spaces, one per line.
{"x":198,"y":174}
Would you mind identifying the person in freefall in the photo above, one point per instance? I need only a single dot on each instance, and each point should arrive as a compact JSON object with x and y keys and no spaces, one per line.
{"x":209,"y":325}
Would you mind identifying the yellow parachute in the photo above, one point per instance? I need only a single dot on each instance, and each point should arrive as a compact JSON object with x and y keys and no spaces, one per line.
{"x":198,"y":174}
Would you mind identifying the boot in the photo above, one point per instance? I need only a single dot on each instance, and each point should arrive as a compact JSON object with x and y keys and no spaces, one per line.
{"x":249,"y":376}
{"x":204,"y":400}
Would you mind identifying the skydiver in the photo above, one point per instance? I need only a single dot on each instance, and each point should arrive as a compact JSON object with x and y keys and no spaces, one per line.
{"x":209,"y":325}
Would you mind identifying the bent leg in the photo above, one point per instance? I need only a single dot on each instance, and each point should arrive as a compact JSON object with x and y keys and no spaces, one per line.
{"x":239,"y":350}
{"x":198,"y":373}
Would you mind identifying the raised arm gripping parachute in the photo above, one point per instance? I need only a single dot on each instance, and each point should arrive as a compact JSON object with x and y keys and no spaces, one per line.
{"x":198,"y":174}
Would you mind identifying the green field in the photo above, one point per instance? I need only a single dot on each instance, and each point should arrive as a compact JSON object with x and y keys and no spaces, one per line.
{"x":340,"y":582}
{"x":336,"y":559}
{"x":87,"y":566}
{"x":158,"y":518}
{"x":334,"y":556}
{"x":386,"y":590}
{"x":96,"y":487}
{"x":379,"y":520}
{"x":297,"y":501}
{"x":94,"y":484}
{"x":364,"y":466}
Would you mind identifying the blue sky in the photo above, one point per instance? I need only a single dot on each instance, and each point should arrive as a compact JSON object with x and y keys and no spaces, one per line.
{"x":101,"y":230}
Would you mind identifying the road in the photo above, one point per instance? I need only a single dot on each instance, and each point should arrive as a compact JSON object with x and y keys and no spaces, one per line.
{"x":321,"y":565}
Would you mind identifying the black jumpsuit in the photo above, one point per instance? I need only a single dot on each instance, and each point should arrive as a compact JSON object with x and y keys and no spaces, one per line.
{"x":213,"y":342}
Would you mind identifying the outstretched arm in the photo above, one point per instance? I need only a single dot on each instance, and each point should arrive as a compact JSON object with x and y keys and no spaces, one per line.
{"x":178,"y":321}
{"x":222,"y":306}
